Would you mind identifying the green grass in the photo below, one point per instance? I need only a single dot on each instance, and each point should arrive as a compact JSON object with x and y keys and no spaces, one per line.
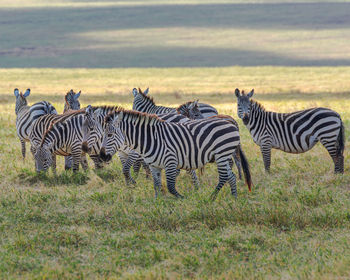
{"x":295,"y":223}
{"x":176,"y":33}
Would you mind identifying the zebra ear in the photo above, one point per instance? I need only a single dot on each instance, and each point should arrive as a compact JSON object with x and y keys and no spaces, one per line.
{"x":26,"y":94}
{"x":146,"y":91}
{"x":195,"y":104}
{"x":134,"y":92}
{"x":237,"y":92}
{"x":16,"y":92}
{"x":77,"y":95}
{"x":250,"y":94}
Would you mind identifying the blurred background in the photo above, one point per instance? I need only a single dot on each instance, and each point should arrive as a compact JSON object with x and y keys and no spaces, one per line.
{"x":104,"y":34}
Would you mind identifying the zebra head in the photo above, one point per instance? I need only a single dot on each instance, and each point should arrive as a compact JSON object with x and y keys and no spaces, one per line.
{"x":113,"y":139}
{"x":43,"y":158}
{"x":244,"y":105}
{"x":21,"y":99}
{"x":92,"y":130}
{"x":138,"y":97}
{"x":190,"y":110}
{"x":72,"y":101}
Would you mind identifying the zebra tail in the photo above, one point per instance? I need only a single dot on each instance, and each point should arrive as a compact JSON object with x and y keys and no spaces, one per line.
{"x":341,"y":140}
{"x":245,"y":167}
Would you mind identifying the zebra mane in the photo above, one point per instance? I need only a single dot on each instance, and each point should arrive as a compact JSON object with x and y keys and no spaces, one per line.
{"x":257,"y":104}
{"x":133,"y":115}
{"x":105,"y":108}
{"x":148,"y":98}
{"x":183,"y":106}
{"x":63,"y":117}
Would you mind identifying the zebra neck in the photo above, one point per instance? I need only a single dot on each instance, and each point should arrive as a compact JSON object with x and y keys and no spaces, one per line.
{"x":141,"y":135}
{"x":257,"y":114}
{"x":20,"y":107}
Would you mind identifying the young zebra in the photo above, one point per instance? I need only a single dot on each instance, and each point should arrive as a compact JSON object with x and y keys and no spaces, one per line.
{"x":173,"y":146}
{"x":143,"y":103}
{"x":64,"y":137}
{"x":26,"y":115}
{"x":294,"y":132}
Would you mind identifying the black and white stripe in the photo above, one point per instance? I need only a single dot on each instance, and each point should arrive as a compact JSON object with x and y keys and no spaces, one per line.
{"x":173,"y":146}
{"x":26,"y":116}
{"x":144,"y":103}
{"x":295,"y":132}
{"x":63,"y":137}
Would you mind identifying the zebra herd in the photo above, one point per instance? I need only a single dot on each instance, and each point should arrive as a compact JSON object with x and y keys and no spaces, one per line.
{"x":157,"y":137}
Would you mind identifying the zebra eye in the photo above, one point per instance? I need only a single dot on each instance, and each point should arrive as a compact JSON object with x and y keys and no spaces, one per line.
{"x":109,"y":134}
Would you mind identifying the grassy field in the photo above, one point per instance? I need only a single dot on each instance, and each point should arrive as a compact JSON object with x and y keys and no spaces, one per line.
{"x":295,"y":223}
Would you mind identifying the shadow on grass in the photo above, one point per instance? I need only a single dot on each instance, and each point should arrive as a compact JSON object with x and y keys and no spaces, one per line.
{"x":64,"y":178}
{"x":109,"y":175}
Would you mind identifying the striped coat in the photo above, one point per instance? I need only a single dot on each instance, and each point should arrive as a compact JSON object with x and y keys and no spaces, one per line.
{"x":295,"y":132}
{"x":173,"y":146}
{"x":26,"y":115}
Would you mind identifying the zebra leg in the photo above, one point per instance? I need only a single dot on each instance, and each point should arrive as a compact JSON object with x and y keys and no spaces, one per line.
{"x":266,"y":153}
{"x":170,"y":173}
{"x":77,"y":156}
{"x":232,"y":181}
{"x":67,"y":162}
{"x":84,"y":162}
{"x":194,"y":177}
{"x":223,"y":176}
{"x":337,"y":157}
{"x":146,"y":168}
{"x":137,"y":167}
{"x":23,"y":147}
{"x":178,"y":172}
{"x":157,"y":179}
{"x":132,"y":157}
{"x":53,"y":166}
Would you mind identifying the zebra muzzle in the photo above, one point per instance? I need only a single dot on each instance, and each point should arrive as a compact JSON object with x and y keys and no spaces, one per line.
{"x":103,"y":156}
{"x":85,"y":147}
{"x":245,"y":118}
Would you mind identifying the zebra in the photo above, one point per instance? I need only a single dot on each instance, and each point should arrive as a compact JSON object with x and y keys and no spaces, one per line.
{"x":193,"y":110}
{"x":129,"y":157}
{"x":144,"y":103}
{"x":63,"y":137}
{"x":26,"y":116}
{"x":173,"y":146}
{"x":133,"y":156}
{"x":72,"y":103}
{"x":295,"y":132}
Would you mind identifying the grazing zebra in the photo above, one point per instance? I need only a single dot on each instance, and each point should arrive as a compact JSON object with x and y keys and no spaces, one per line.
{"x":144,"y":103}
{"x":72,"y":103}
{"x":127,"y":156}
{"x":173,"y":146}
{"x":26,"y":115}
{"x":295,"y":132}
{"x":133,"y":156}
{"x":63,"y":137}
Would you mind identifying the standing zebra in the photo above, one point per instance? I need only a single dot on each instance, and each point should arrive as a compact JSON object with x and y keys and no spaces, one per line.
{"x":295,"y":132}
{"x":193,"y":110}
{"x":26,"y":115}
{"x":173,"y":146}
{"x":72,"y":103}
{"x":64,"y":137}
{"x":144,"y":103}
